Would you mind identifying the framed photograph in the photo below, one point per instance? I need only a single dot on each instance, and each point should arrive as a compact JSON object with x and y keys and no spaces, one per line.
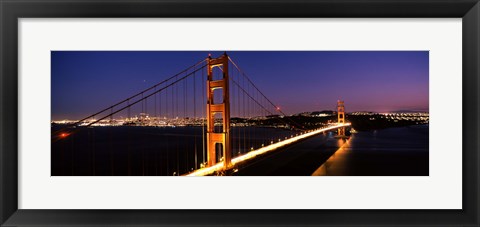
{"x":292,"y":113}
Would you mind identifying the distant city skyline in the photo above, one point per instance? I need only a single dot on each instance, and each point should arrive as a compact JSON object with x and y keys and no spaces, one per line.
{"x":84,"y":82}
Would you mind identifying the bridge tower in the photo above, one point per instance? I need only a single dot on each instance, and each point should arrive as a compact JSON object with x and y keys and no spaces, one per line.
{"x":341,"y":117}
{"x":214,"y":137}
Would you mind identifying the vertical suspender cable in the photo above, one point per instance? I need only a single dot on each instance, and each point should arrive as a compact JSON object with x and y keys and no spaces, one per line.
{"x":204,"y":114}
{"x":176,"y":122}
{"x":194,"y":120}
{"x":111,"y":145}
{"x":187,"y":149}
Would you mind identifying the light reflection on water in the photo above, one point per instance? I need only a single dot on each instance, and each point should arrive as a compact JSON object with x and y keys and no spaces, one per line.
{"x":339,"y":156}
{"x":400,"y":151}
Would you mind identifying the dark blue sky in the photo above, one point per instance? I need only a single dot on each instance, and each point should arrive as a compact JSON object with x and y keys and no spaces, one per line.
{"x":86,"y":81}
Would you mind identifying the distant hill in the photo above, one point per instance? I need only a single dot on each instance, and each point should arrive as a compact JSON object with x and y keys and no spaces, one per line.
{"x":323,"y":112}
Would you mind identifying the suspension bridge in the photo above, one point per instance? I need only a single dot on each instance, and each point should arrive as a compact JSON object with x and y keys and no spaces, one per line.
{"x":204,"y":120}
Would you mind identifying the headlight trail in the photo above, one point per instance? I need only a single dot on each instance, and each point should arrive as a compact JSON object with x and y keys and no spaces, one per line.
{"x":252,"y":154}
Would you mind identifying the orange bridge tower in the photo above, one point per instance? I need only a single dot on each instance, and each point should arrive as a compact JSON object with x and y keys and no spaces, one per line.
{"x":341,"y":117}
{"x":218,"y":141}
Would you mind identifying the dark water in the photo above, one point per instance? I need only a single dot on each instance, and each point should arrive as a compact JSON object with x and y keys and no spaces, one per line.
{"x":387,"y":152}
{"x":402,"y":139}
{"x":139,"y":151}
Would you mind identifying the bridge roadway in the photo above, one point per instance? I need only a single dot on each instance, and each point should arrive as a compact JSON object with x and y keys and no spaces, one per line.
{"x":246,"y":158}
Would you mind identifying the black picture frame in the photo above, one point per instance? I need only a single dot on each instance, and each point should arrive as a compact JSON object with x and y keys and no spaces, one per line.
{"x":12,"y":10}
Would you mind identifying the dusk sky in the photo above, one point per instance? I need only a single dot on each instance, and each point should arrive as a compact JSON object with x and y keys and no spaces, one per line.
{"x":84,"y":82}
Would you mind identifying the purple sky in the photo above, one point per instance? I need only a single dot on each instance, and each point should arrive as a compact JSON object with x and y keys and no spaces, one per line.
{"x":84,"y":82}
